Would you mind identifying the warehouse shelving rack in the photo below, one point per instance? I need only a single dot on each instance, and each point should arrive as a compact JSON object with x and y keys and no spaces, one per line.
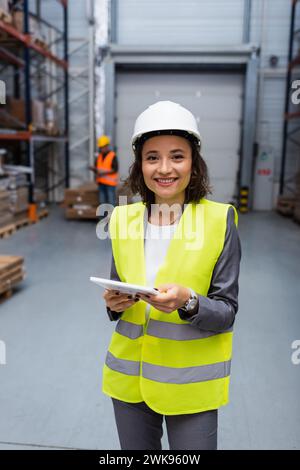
{"x":10,"y":58}
{"x":290,"y":116}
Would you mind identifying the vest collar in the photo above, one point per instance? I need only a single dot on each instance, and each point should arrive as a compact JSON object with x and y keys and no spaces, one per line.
{"x":146,"y":214}
{"x":188,"y":235}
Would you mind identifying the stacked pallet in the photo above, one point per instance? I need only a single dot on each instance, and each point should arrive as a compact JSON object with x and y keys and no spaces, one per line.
{"x":6,"y":217}
{"x":11,"y":273}
{"x":19,"y":202}
{"x":40,"y":198}
{"x":14,"y":197}
{"x":290,"y":205}
{"x":82,"y":202}
{"x":14,"y":208}
{"x":286,"y":205}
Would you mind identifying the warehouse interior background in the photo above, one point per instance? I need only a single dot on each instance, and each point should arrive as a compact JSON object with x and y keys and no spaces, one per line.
{"x":71,"y":71}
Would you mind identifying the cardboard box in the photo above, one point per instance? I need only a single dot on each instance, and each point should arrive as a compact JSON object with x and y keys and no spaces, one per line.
{"x":38,"y":115}
{"x":6,"y":219}
{"x":286,"y":205}
{"x":20,"y":216}
{"x":5,"y":11}
{"x":14,"y":201}
{"x":84,"y":213}
{"x":18,"y":22}
{"x":86,"y":194}
{"x":3,"y":195}
{"x":39,"y":196}
{"x":15,"y":114}
{"x":19,"y":200}
{"x":16,"y":108}
{"x":35,"y":29}
{"x":4,"y":199}
{"x":51,"y":123}
{"x":12,"y":181}
{"x":6,"y":216}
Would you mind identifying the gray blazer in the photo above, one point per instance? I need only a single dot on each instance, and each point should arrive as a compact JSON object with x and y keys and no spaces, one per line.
{"x":217,"y":311}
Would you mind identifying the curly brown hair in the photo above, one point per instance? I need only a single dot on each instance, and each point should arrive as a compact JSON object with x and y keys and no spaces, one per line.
{"x":198,"y":186}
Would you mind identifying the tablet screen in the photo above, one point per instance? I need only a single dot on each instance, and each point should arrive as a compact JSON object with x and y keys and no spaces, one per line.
{"x":124,"y":287}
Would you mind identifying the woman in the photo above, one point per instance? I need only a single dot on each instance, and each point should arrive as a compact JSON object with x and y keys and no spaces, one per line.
{"x":170,"y":354}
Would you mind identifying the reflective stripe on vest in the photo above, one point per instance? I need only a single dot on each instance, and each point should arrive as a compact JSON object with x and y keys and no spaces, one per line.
{"x":106,"y":165}
{"x":172,"y":365}
{"x":169,"y":374}
{"x":166,"y":330}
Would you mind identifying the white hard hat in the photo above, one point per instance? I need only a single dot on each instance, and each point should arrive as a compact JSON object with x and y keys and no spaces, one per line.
{"x":165,"y":116}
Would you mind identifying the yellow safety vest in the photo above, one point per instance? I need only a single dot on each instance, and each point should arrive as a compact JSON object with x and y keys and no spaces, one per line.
{"x":173,"y":366}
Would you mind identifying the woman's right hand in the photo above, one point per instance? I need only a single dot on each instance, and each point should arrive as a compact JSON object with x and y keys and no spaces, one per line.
{"x":118,"y":301}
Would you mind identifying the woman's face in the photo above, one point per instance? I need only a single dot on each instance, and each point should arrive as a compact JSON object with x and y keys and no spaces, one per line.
{"x":167,"y":157}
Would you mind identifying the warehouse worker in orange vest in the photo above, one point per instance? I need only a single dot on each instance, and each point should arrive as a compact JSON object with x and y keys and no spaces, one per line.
{"x":106,"y":170}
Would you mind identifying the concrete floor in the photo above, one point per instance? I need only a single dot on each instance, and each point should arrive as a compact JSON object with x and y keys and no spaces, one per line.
{"x":56,"y":334}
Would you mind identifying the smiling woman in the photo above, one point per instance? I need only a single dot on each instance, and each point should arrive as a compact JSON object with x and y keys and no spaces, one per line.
{"x":167,"y":172}
{"x":170,"y":354}
{"x":184,"y":152}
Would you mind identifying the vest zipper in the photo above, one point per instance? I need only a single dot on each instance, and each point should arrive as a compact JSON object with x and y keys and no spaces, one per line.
{"x":147,"y":319}
{"x":144,"y":331}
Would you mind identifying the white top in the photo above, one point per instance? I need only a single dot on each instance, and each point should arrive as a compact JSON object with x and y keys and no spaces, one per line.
{"x":157,"y":240}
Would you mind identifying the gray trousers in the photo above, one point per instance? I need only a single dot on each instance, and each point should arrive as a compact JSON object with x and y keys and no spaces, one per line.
{"x":140,"y":428}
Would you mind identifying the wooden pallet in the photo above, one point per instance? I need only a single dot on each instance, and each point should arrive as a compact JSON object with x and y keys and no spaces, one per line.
{"x":5,"y":295}
{"x":10,"y":283}
{"x":7,"y":230}
{"x":24,"y":221}
{"x":19,"y":223}
{"x":8,"y":262}
{"x":7,"y":291}
{"x":42,"y":214}
{"x":78,"y":214}
{"x":11,"y":273}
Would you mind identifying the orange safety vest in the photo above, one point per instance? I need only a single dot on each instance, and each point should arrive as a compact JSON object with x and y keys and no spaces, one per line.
{"x":105,"y":164}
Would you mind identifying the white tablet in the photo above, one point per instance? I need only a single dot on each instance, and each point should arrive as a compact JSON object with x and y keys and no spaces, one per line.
{"x":124,"y":286}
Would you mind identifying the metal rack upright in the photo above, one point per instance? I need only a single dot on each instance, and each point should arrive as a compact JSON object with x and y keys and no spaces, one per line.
{"x":290,"y":135}
{"x":9,"y":57}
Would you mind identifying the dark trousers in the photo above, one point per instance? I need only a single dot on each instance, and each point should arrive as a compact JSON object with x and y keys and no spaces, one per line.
{"x":107,"y":194}
{"x":140,"y":428}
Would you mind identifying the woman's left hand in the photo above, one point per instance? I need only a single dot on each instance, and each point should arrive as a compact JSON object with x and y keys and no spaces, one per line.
{"x":170,"y":297}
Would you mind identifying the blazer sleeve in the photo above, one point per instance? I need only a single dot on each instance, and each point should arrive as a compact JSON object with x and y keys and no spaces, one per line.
{"x":217,"y":311}
{"x":114,"y":316}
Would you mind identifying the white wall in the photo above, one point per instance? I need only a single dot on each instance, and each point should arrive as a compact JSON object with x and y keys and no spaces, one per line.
{"x":270,"y":29}
{"x":216,"y":22}
{"x":184,"y":22}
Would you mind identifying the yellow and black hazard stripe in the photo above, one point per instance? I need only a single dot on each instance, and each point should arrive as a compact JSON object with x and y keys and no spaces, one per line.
{"x":244,"y":199}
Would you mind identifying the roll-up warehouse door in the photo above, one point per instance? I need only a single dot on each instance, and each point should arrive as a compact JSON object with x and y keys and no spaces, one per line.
{"x":214,"y":98}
